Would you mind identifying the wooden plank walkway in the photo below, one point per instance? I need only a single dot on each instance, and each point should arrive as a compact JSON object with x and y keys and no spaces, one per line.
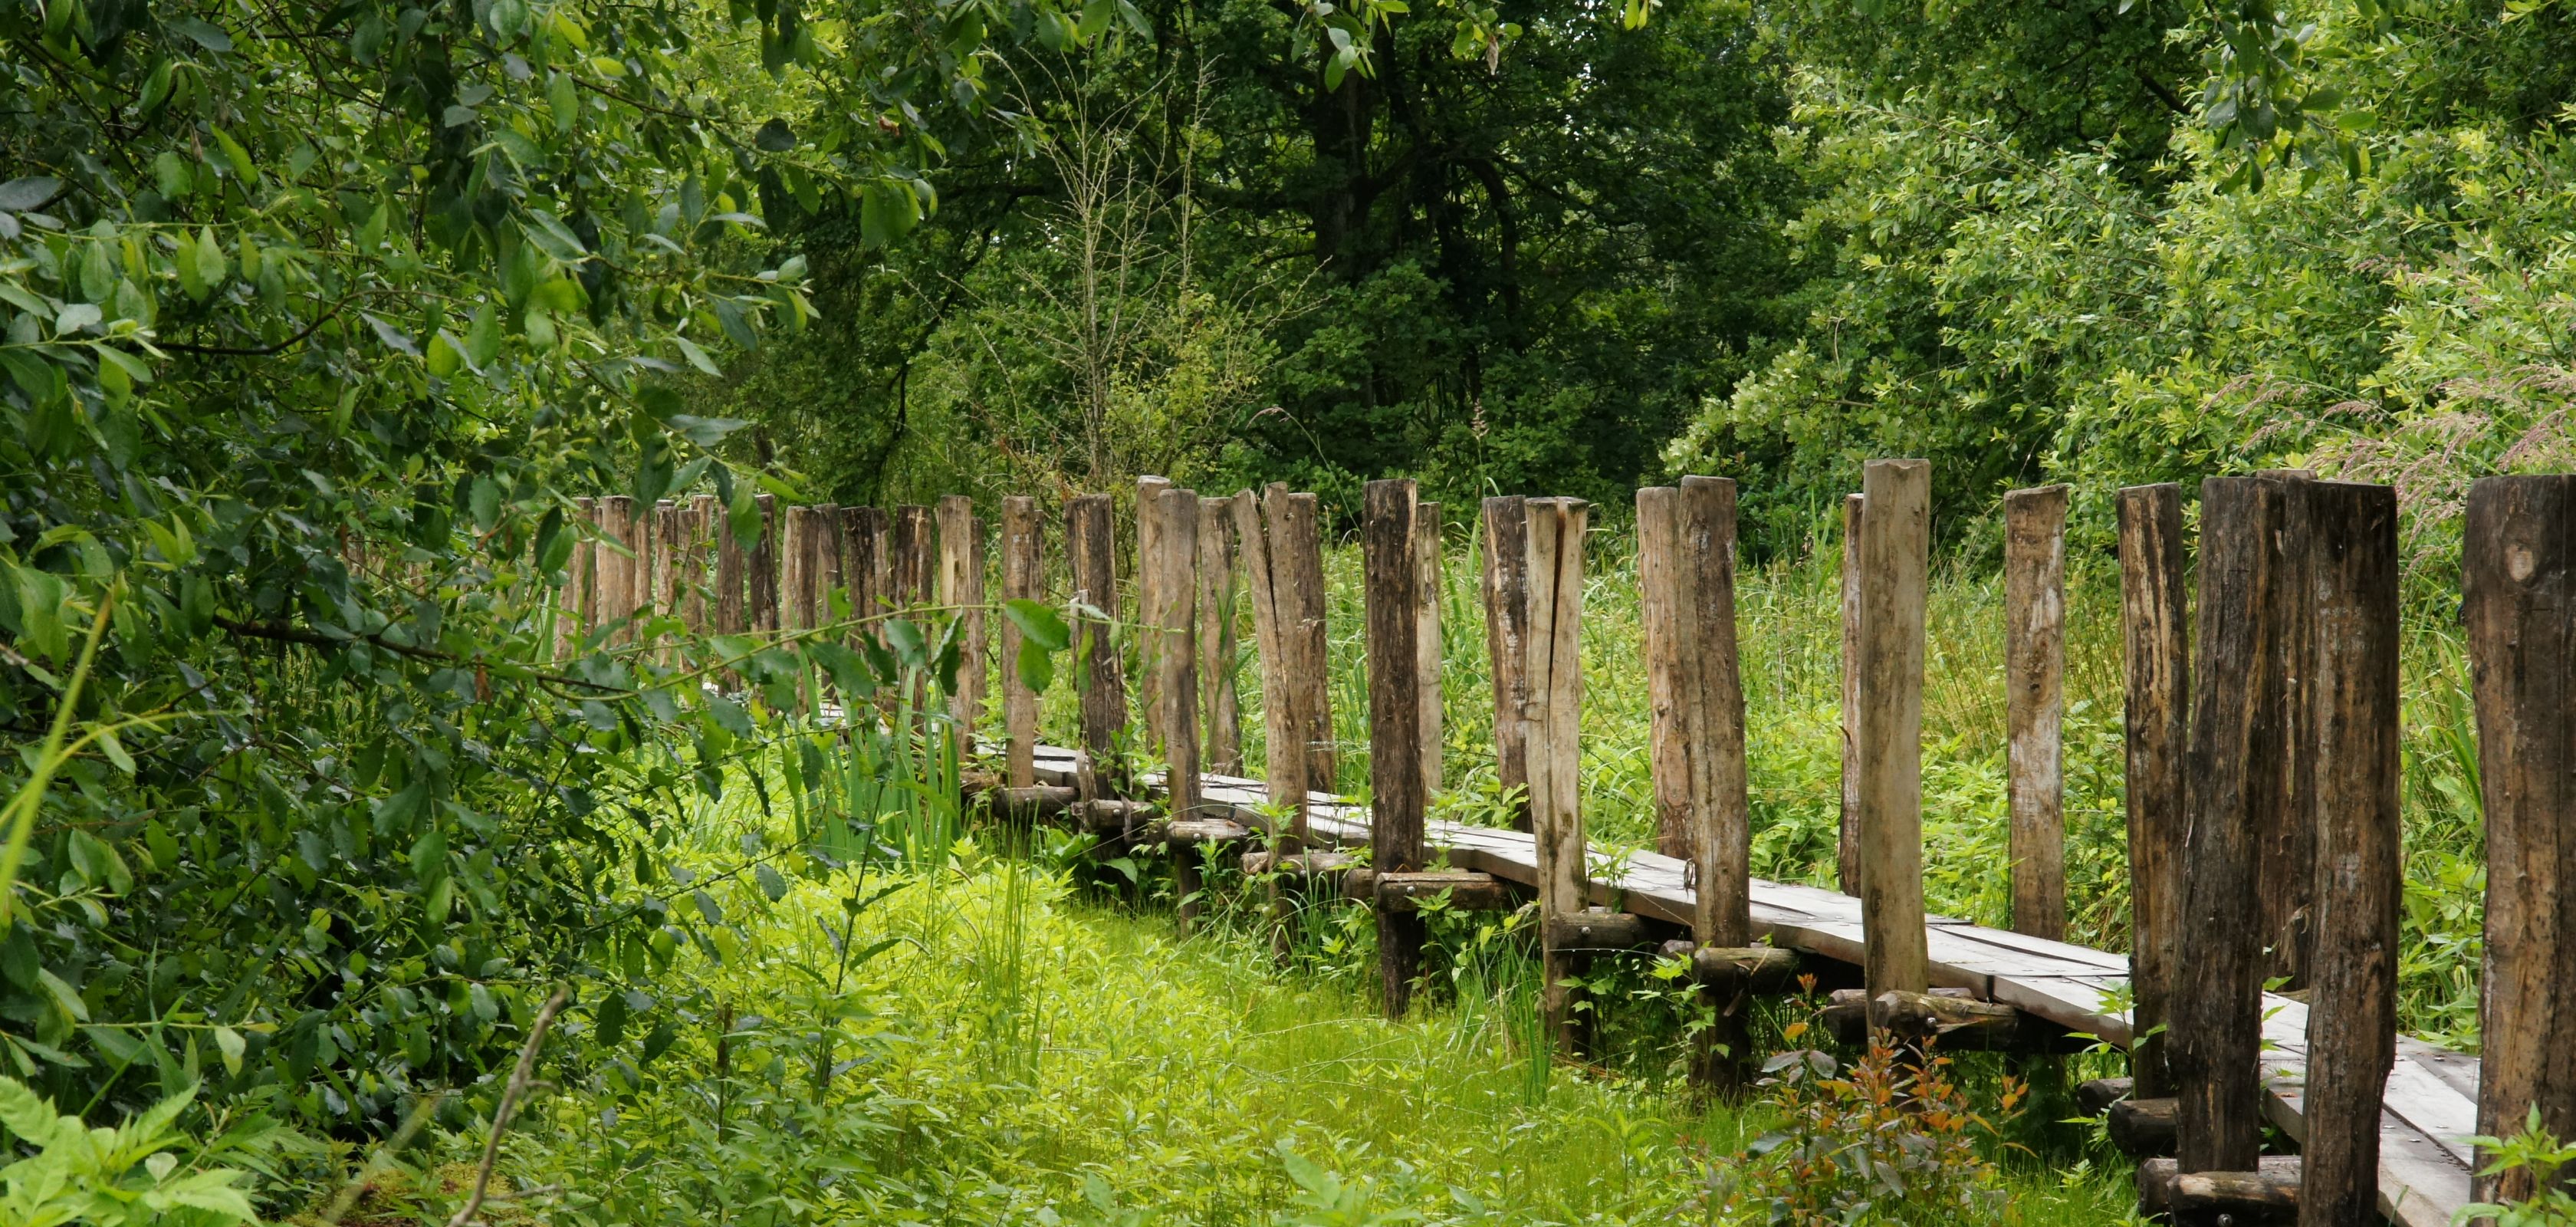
{"x":2428,"y":1111}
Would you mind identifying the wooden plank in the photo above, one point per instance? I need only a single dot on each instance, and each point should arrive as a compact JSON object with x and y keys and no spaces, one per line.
{"x":1391,"y":558}
{"x":2287,"y":746}
{"x":1507,"y":606}
{"x":1149,"y":598}
{"x":1426,"y":670}
{"x":1894,"y":583}
{"x":1555,"y":671}
{"x":761,"y":569}
{"x":1722,"y":844}
{"x":2519,"y":583}
{"x":2352,"y":1015}
{"x":961,"y":593}
{"x":1847,"y":845}
{"x":2216,"y":1027}
{"x":1220,"y":569}
{"x":1675,"y":728}
{"x":2154,"y":629}
{"x":2035,"y":705}
{"x":1091,"y":558}
{"x":1023,"y":579}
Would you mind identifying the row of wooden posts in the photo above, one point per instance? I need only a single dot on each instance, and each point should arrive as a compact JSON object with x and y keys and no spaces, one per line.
{"x":2262,"y":803}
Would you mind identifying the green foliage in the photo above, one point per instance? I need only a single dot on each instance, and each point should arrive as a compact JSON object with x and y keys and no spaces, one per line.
{"x":135,"y":1173}
{"x":2530,"y":1155}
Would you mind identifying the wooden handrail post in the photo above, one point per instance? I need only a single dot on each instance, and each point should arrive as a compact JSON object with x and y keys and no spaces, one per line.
{"x":2154,"y":631}
{"x":1220,"y":591}
{"x":762,"y":568}
{"x":573,"y":608}
{"x":2035,"y":706}
{"x":1149,"y":598}
{"x":616,"y":564}
{"x":1090,"y":557}
{"x":1894,"y":586}
{"x":1507,"y":613}
{"x":1554,"y":716}
{"x":2216,"y":1028}
{"x":1297,"y":565}
{"x":2352,"y":1003}
{"x":2286,"y":746}
{"x":1168,"y":577}
{"x":1023,"y":579}
{"x":705,"y":519}
{"x":1677,"y":728}
{"x":1391,"y":557}
{"x":1847,"y":862}
{"x":1426,"y":641}
{"x":1281,"y":733}
{"x":796,"y":569}
{"x":961,"y":594}
{"x":2519,"y":575}
{"x":733,"y":566}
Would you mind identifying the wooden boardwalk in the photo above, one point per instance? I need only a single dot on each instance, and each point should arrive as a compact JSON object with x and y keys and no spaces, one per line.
{"x":2429,"y":1108}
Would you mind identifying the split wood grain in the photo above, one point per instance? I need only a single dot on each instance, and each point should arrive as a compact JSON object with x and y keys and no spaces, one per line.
{"x":2035,"y":706}
{"x":2216,"y":1028}
{"x":616,"y":564}
{"x":863,"y":563}
{"x":2156,"y":649}
{"x":1895,"y":560}
{"x":1426,"y":557}
{"x":1392,"y":565}
{"x":2286,"y":745}
{"x":1220,"y":602}
{"x":1722,"y":833}
{"x":573,"y":609}
{"x":1554,"y":715}
{"x":961,"y":596}
{"x":1149,"y":598}
{"x":1297,"y":563}
{"x":705,"y":519}
{"x":1173,"y":628}
{"x":2352,"y":1002}
{"x":733,"y":579}
{"x":1023,"y":579}
{"x":761,"y":569}
{"x":1507,"y":611}
{"x":1091,"y":558}
{"x":1281,"y":733}
{"x":1675,"y":727}
{"x":2519,"y":579}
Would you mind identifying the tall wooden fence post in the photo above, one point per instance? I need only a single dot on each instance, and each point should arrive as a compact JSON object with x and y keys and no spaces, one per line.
{"x":1391,"y":558}
{"x":2352,"y":1002}
{"x":1220,"y":583}
{"x":863,"y":563}
{"x":761,"y":574}
{"x":1172,"y":626}
{"x":1507,"y":613}
{"x":1282,"y":734}
{"x":573,"y":609}
{"x":1090,"y":556}
{"x":2286,"y":746}
{"x":1894,"y":585}
{"x":2519,"y":572}
{"x":1149,"y":598}
{"x":961,"y":592}
{"x":2035,"y":706}
{"x":1297,"y":568}
{"x":1426,"y":641}
{"x":1847,"y":846}
{"x":2216,"y":1028}
{"x":2154,"y":631}
{"x":1676,"y":730}
{"x":706,"y":519}
{"x":616,"y":564}
{"x":1554,"y":718}
{"x":733,"y":577}
{"x":1023,"y":579}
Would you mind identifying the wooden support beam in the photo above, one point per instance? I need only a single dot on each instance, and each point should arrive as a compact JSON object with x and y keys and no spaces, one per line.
{"x":2264,"y":1194}
{"x":1949,"y":1019}
{"x":1554,"y":671}
{"x":2216,"y":1027}
{"x":829,"y":563}
{"x":1220,"y":571}
{"x":1597,"y":929}
{"x":1112,"y":816}
{"x":1298,"y":864}
{"x":2154,"y":630}
{"x":1149,"y":598}
{"x":1390,"y":556}
{"x":1722,"y":832}
{"x":1169,"y":577}
{"x":913,"y":558}
{"x":1756,"y":969}
{"x":1465,"y":892}
{"x":761,"y":569}
{"x":2094,"y":1096}
{"x":2352,"y":684}
{"x":1847,"y":862}
{"x":1090,"y":555}
{"x":1023,"y":579}
{"x":1426,"y":642}
{"x":2035,"y":706}
{"x":1507,"y":612}
{"x":1895,"y":560}
{"x":2144,"y":1129}
{"x":2519,"y":577}
{"x":961,"y":593}
{"x":796,"y":570}
{"x":2286,"y":745}
{"x":1196,"y":832}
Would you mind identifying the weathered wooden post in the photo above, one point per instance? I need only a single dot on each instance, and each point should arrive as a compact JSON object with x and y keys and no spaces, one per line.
{"x":1091,"y":558}
{"x":1677,"y":728}
{"x":961,"y":592}
{"x":2154,"y":632}
{"x":1426,"y":641}
{"x":2352,"y":1002}
{"x":1149,"y":598}
{"x":796,"y":570}
{"x":2519,"y":573}
{"x":1220,"y":590}
{"x":1282,"y":733}
{"x":2216,"y":1028}
{"x":573,"y":609}
{"x":761,"y":574}
{"x":1168,"y":577}
{"x":1553,"y":716}
{"x":705,"y":520}
{"x":863,"y":562}
{"x":1894,"y":585}
{"x":1507,"y":612}
{"x":1847,"y":847}
{"x":733,"y":577}
{"x":615,"y":565}
{"x":1297,"y":562}
{"x":1023,"y":579}
{"x":2035,"y":706}
{"x":915,"y":557}
{"x":2286,"y":748}
{"x":1392,"y":560}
